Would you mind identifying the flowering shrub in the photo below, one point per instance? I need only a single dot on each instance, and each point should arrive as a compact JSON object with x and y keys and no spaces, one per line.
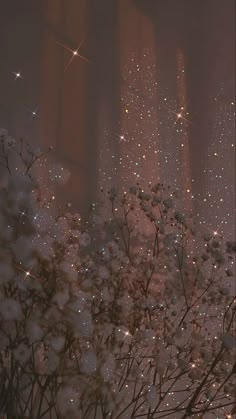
{"x":99,"y":320}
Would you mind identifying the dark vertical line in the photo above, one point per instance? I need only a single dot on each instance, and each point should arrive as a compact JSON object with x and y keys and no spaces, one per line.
{"x":61,"y":73}
{"x":198,"y":80}
{"x":103,"y":79}
{"x":167,"y":41}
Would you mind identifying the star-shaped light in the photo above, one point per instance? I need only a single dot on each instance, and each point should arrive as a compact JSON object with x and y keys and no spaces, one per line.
{"x":33,"y":112}
{"x":179,"y":115}
{"x":26,"y":272}
{"x":216,"y":232}
{"x":121,"y":137}
{"x":75,"y":53}
{"x":17,"y":75}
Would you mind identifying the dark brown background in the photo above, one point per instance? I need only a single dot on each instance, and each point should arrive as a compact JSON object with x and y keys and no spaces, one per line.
{"x":74,"y":105}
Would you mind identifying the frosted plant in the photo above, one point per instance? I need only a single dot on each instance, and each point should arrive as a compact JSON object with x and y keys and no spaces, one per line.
{"x":123,"y":317}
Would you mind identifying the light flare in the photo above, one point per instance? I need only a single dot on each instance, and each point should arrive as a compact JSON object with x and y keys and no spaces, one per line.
{"x":75,"y":53}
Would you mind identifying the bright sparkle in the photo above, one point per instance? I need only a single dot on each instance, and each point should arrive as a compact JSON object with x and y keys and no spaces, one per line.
{"x":17,"y":75}
{"x":75,"y":53}
{"x":27,"y":273}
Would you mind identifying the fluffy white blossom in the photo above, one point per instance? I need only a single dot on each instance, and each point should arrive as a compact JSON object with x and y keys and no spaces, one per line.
{"x":85,"y":239}
{"x":107,"y":368}
{"x":103,"y":272}
{"x":228,"y":341}
{"x":34,"y":331}
{"x":93,"y":311}
{"x":22,"y":353}
{"x":88,"y":362}
{"x":52,"y":360}
{"x":10,"y":309}
{"x":56,"y":343}
{"x":68,"y":402}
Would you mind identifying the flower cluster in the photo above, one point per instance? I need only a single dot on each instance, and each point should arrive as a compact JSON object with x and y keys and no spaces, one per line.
{"x":114,"y":317}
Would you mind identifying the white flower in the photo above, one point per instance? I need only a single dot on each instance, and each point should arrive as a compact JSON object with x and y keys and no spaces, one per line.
{"x":107,"y":369}
{"x":52,"y":361}
{"x":22,"y":353}
{"x":34,"y":332}
{"x":57,"y":343}
{"x":85,"y":239}
{"x":229,"y":341}
{"x":10,"y":309}
{"x":88,"y":362}
{"x":103,"y":272}
{"x":82,"y":323}
{"x":61,"y":298}
{"x":68,"y":402}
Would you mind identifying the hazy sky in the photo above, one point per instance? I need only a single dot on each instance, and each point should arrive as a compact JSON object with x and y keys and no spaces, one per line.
{"x":70,"y":103}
